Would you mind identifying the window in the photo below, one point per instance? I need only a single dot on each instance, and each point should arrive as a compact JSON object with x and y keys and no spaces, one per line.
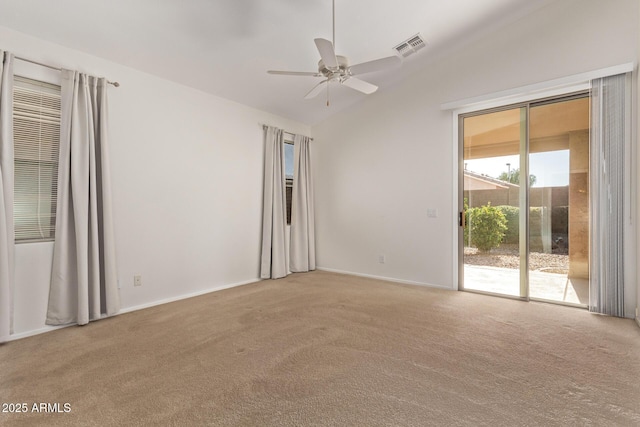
{"x":36,"y":127}
{"x":288,"y":171}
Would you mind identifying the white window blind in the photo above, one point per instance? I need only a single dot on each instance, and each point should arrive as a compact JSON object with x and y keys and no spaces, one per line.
{"x":36,"y":127}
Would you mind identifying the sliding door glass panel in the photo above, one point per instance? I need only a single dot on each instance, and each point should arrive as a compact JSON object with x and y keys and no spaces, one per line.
{"x":494,"y":146}
{"x":559,"y":201}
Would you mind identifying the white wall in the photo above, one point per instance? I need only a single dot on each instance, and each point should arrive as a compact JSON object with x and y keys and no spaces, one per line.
{"x":382,"y":164}
{"x":187,"y":187}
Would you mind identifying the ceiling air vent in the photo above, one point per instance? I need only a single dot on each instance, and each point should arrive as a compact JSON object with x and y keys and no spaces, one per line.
{"x":410,"y":46}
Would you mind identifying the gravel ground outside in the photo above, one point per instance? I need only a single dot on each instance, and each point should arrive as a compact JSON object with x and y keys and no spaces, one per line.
{"x":507,"y":256}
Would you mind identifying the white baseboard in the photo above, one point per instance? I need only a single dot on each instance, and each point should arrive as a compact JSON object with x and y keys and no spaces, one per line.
{"x":638,"y":321}
{"x":181,"y":297}
{"x":135,"y":308}
{"x":388,"y":279}
{"x":26,"y":334}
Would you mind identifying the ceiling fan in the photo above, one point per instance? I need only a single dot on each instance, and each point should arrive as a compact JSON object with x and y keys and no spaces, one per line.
{"x":336,"y":69}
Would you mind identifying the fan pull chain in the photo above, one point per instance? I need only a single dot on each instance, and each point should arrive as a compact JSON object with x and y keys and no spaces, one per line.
{"x":327,"y":93}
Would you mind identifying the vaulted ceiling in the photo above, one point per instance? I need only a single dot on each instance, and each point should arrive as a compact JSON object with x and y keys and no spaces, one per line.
{"x":224,"y":47}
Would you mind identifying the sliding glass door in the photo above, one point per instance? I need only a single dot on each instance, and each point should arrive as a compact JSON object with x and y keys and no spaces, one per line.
{"x":525,"y":201}
{"x":494,"y":150}
{"x":559,"y":201}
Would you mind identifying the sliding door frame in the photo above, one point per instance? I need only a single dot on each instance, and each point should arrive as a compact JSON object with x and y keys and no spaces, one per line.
{"x":523,"y":201}
{"x":525,"y":109}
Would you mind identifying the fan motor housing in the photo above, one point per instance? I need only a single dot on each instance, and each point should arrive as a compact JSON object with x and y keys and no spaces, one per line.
{"x":343,"y":68}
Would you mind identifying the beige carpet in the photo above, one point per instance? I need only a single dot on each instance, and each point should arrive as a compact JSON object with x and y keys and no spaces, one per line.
{"x":327,"y":349}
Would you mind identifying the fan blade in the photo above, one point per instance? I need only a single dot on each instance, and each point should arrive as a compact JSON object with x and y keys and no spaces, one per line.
{"x":328,"y":55}
{"x":316,"y":90}
{"x":360,"y":85}
{"x":375,"y":65}
{"x":295,"y":73}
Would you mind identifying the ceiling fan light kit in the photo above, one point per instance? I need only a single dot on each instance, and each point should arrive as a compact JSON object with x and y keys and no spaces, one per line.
{"x":335,"y":68}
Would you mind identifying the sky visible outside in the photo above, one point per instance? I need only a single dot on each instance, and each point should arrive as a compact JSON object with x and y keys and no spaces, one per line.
{"x":551,"y":168}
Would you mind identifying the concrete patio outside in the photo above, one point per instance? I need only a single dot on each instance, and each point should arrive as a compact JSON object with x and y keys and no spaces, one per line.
{"x":542,"y":285}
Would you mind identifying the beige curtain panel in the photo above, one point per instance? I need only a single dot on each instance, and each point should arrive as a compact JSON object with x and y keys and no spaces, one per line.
{"x":274,"y":263}
{"x":303,"y":240}
{"x":84,"y":284}
{"x":6,"y":196}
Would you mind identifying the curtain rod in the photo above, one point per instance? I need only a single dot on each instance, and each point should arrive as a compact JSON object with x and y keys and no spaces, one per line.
{"x":116,"y":84}
{"x":290,"y":133}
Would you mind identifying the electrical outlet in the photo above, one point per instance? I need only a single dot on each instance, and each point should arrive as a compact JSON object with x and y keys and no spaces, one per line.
{"x":381,"y":259}
{"x":432,"y":213}
{"x":119,"y":286}
{"x":137,"y":280}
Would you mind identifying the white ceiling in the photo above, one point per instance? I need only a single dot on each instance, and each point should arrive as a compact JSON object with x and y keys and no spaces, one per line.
{"x":224,"y":47}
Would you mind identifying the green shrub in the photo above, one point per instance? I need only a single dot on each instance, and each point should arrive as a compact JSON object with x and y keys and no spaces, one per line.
{"x":487,"y":225}
{"x":465,"y":230}
{"x":560,"y":219}
{"x":535,"y":229}
{"x":512,"y":215}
